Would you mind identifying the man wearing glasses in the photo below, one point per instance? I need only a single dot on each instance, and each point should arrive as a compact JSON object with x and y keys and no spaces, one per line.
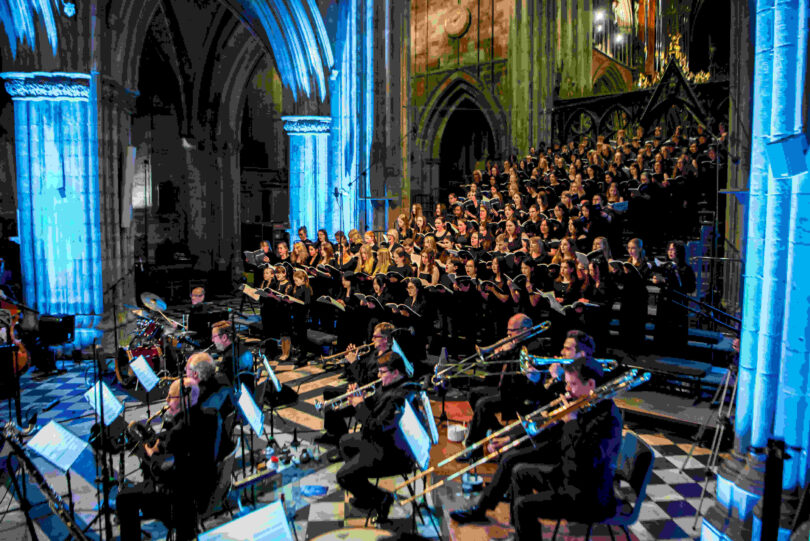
{"x":511,"y":392}
{"x":186,"y":476}
{"x":358,"y":372}
{"x":372,"y":452}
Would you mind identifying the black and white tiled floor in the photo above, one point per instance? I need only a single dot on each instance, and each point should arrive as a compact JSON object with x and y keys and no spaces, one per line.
{"x":668,"y":513}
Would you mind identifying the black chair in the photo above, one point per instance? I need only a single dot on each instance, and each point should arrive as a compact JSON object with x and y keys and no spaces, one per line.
{"x":634,"y":468}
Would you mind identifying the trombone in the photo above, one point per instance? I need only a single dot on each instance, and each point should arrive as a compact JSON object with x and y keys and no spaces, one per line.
{"x":550,"y":417}
{"x":481,"y":354}
{"x":339,"y":358}
{"x":538,"y":362}
{"x":343,"y":400}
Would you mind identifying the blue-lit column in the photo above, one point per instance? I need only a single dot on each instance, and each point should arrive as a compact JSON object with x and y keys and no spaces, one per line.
{"x":774,"y":384}
{"x":58,"y":195}
{"x":312,"y":199}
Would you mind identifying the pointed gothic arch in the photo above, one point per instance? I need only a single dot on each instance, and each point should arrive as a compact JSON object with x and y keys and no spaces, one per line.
{"x":458,"y":89}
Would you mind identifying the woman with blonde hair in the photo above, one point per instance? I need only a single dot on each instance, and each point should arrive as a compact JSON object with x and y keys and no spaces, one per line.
{"x":383,"y":261}
{"x":365,"y":261}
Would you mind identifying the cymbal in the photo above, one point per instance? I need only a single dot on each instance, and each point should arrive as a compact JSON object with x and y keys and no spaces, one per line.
{"x":183,"y":334}
{"x":240,"y":321}
{"x":248,"y":339}
{"x":138,"y":312}
{"x":152,"y":301}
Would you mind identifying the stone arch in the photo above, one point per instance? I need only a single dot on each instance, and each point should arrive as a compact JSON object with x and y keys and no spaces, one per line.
{"x":446,"y":99}
{"x":609,"y":79}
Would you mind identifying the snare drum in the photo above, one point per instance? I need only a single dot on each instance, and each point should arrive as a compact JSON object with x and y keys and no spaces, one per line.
{"x":152,"y":354}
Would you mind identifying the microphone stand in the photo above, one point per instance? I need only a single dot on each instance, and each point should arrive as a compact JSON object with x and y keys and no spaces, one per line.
{"x":102,"y":491}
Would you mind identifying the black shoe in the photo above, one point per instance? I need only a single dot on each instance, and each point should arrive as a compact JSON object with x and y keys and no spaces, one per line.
{"x":384,"y":507}
{"x":361,"y":504}
{"x":476,"y":513}
{"x":327,"y":439}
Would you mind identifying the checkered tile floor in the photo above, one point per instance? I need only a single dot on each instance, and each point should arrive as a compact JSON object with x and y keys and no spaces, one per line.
{"x":668,"y":513}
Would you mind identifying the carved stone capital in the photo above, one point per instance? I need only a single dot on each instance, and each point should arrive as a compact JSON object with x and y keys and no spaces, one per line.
{"x":47,"y":85}
{"x":307,"y":124}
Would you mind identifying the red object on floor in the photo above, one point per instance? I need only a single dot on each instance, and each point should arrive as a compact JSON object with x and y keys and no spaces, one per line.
{"x":459,"y":411}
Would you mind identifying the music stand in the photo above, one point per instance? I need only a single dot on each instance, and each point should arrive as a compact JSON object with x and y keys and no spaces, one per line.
{"x":60,"y":447}
{"x":268,"y":522}
{"x":412,"y":437}
{"x":146,"y":376}
{"x":254,"y":416}
{"x":277,"y":389}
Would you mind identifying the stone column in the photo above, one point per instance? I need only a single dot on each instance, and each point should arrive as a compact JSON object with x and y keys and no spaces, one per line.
{"x":312,"y":200}
{"x":58,"y":195}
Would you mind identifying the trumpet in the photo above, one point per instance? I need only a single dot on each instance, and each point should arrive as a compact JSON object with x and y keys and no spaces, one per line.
{"x":549,"y":417}
{"x":343,"y":400}
{"x":339,"y":358}
{"x":528,"y":361}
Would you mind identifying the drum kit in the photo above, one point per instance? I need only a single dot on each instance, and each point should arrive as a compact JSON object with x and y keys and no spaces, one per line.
{"x":162,"y":341}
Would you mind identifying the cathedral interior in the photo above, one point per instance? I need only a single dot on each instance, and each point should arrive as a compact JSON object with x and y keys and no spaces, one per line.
{"x":151,"y":146}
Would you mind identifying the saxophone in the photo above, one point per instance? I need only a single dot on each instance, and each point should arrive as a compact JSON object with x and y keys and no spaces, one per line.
{"x":12,"y":434}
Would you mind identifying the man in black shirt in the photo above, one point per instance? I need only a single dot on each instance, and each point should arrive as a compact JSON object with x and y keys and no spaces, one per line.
{"x":578,"y":345}
{"x":577,"y":482}
{"x":184,"y":462}
{"x":373,"y":451}
{"x":222,"y":336}
{"x":358,"y":372}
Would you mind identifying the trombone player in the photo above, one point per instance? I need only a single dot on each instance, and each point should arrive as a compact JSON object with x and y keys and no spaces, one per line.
{"x":513,"y":393}
{"x":359,"y":371}
{"x":578,"y":346}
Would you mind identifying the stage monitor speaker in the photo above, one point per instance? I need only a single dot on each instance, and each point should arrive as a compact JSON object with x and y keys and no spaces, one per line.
{"x":55,"y":330}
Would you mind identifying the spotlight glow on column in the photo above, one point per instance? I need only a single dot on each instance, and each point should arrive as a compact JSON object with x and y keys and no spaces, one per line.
{"x":58,"y":196}
{"x":311,"y":194}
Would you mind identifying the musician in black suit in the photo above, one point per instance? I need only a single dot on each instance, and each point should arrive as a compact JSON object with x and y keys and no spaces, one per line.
{"x":579,"y":346}
{"x":373,"y":451}
{"x":577,"y":479}
{"x":186,"y":478}
{"x":359,"y":371}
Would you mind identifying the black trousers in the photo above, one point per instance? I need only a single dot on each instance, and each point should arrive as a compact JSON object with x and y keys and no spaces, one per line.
{"x":174,"y":510}
{"x":334,"y":421}
{"x":502,"y":480}
{"x":364,"y":459}
{"x":528,"y":506}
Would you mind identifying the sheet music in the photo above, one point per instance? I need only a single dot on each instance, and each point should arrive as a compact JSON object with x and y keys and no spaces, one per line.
{"x":271,"y":374}
{"x":416,"y":439}
{"x":431,"y":422}
{"x":57,"y":445}
{"x":112,"y":407}
{"x":253,"y":414}
{"x":398,"y":350}
{"x":144,"y":373}
{"x":266,"y":524}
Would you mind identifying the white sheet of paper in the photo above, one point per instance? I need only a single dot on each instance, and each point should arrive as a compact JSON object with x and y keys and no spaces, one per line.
{"x":57,"y":445}
{"x":266,"y":524}
{"x":101,"y":394}
{"x":144,"y":373}
{"x":253,"y":414}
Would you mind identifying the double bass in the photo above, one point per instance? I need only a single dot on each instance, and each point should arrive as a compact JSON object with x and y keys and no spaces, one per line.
{"x":21,"y":359}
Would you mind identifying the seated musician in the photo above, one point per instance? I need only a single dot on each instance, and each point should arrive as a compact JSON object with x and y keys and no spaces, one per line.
{"x":372,"y":452}
{"x":184,"y":479}
{"x":512,"y":393}
{"x":358,"y":372}
{"x":577,"y":481}
{"x":215,"y":389}
{"x":222,"y":336}
{"x":578,"y":345}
